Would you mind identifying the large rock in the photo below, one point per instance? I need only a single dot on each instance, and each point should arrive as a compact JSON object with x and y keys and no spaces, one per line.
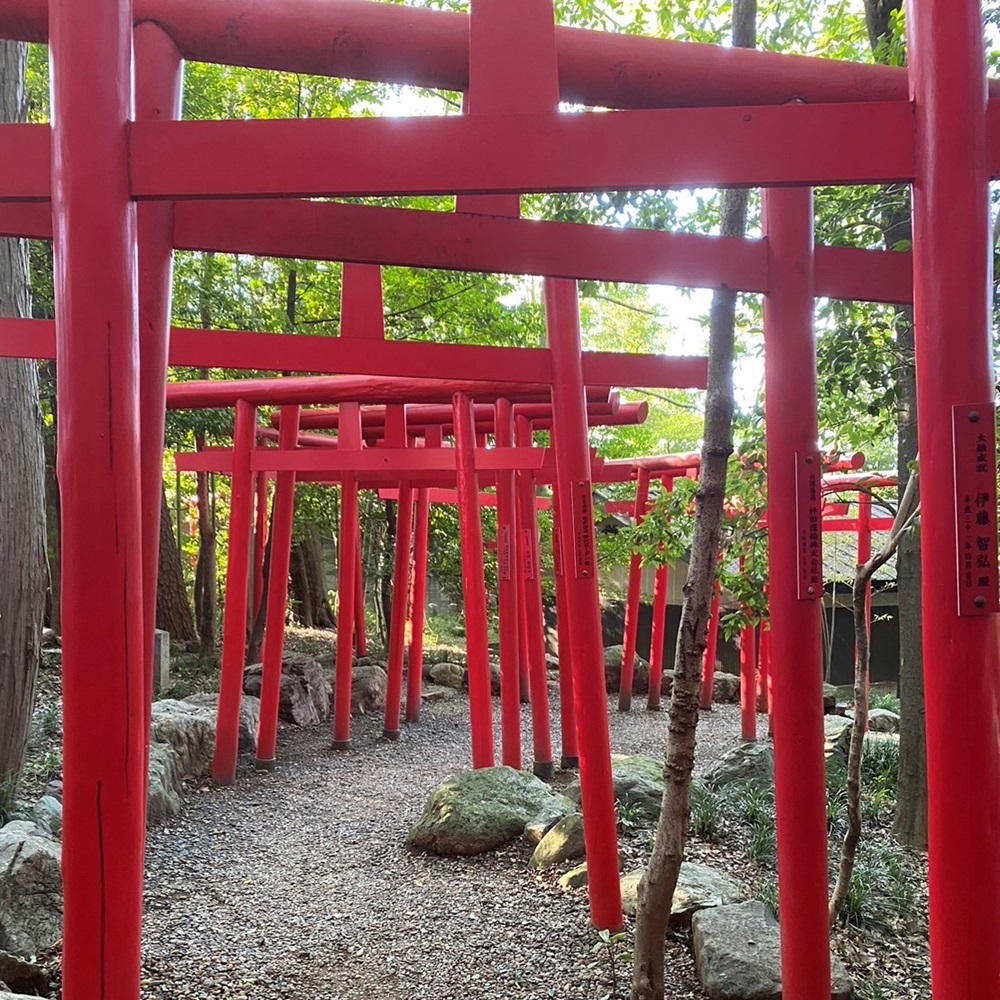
{"x":19,"y":974}
{"x":748,"y":763}
{"x":881,"y":720}
{"x":698,"y":888}
{"x":189,"y":727}
{"x":305,"y":694}
{"x":368,"y":688}
{"x":638,"y":784}
{"x":563,"y":842}
{"x":30,"y":889}
{"x":725,"y":687}
{"x":613,"y":656}
{"x":448,"y":674}
{"x":843,"y":741}
{"x":47,"y":813}
{"x":833,"y":726}
{"x":829,"y":698}
{"x":477,"y":811}
{"x":737,"y":951}
{"x":166,"y":780}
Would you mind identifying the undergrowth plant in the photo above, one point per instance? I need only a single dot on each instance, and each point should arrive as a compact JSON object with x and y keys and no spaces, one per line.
{"x":705,"y":813}
{"x":611,"y":959}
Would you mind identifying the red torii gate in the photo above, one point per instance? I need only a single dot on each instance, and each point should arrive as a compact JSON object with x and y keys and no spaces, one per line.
{"x":100,"y":163}
{"x":388,"y":425}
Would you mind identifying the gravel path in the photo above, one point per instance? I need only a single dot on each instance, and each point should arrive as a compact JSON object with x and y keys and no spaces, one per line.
{"x":296,"y":884}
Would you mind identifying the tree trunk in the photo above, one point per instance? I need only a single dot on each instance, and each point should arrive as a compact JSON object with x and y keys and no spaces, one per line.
{"x":173,"y":613}
{"x":23,"y":568}
{"x":387,"y":565}
{"x":316,"y":567}
{"x":910,"y":826}
{"x":299,"y":582}
{"x":206,"y":572}
{"x":656,"y":889}
{"x":256,"y":640}
{"x":52,"y":609}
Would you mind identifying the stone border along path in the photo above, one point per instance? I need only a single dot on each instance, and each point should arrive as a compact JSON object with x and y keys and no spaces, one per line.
{"x":297,"y":884}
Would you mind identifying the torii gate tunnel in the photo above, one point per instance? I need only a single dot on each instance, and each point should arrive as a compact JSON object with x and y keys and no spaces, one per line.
{"x":119,"y":183}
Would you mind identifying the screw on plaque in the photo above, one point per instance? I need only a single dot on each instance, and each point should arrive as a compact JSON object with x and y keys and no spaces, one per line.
{"x":809,"y":460}
{"x":810,"y":591}
{"x":979,"y":601}
{"x":973,"y":416}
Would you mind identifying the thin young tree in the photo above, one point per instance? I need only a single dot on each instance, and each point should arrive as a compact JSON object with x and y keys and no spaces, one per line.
{"x":656,"y":889}
{"x":23,"y":567}
{"x":905,"y":514}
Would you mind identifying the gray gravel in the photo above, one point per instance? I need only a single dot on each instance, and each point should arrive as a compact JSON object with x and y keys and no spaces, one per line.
{"x":297,"y":884}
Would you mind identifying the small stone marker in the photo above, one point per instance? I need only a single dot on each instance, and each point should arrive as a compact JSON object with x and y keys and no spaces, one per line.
{"x":737,"y":952}
{"x":161,"y":660}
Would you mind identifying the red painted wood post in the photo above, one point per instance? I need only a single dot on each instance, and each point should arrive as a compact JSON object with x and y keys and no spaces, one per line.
{"x":360,"y":627}
{"x":99,"y":480}
{"x":658,"y":636}
{"x":567,"y":708}
{"x":633,"y":601}
{"x":158,"y":73}
{"x":400,"y":599}
{"x":748,"y":681}
{"x":864,"y":554}
{"x":952,"y":325}
{"x":283,"y":517}
{"x":531,"y":580}
{"x":510,"y":675}
{"x":764,"y":671}
{"x":573,"y":473}
{"x":473,"y":585}
{"x":418,"y":608}
{"x":234,"y":621}
{"x":793,"y":469}
{"x":349,"y":438}
{"x":711,"y":652}
{"x":259,"y":540}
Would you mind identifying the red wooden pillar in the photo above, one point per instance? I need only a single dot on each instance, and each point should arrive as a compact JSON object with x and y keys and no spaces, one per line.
{"x":658,"y":636}
{"x":259,"y":540}
{"x":360,"y":630}
{"x":94,"y":226}
{"x":567,"y":709}
{"x":418,"y":608}
{"x":793,"y":470}
{"x":748,"y":667}
{"x":510,"y":680}
{"x":158,"y":73}
{"x":400,"y":598}
{"x":633,"y":601}
{"x":573,"y":473}
{"x":952,"y":323}
{"x":473,"y":585}
{"x":711,"y":651}
{"x":234,"y":622}
{"x":530,"y":572}
{"x":764,"y":671}
{"x":348,"y":438}
{"x":277,"y":600}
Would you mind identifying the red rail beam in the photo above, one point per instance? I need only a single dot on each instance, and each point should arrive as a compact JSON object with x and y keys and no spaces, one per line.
{"x":513,"y":154}
{"x":241,"y":350}
{"x":369,"y":234}
{"x":381,"y":41}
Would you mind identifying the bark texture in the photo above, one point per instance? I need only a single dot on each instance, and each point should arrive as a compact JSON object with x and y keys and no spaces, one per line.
{"x":23,"y":567}
{"x":308,"y":580}
{"x":173,"y":613}
{"x":656,"y":889}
